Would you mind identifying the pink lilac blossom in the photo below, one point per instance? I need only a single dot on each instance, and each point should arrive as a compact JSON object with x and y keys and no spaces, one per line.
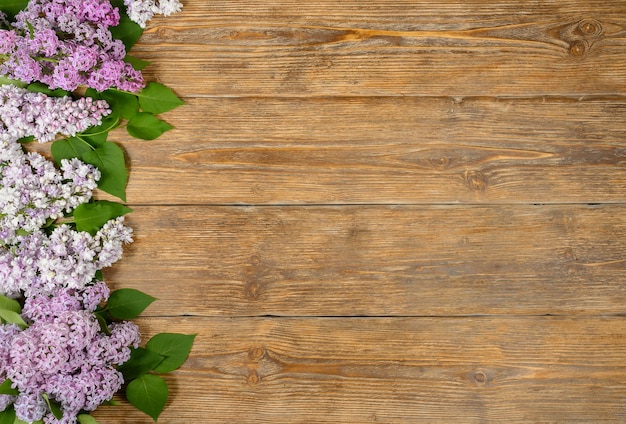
{"x":23,"y":114}
{"x":32,"y":190}
{"x":66,"y":44}
{"x":141,"y":11}
{"x":67,"y":357}
{"x":41,"y":307}
{"x":41,"y":264}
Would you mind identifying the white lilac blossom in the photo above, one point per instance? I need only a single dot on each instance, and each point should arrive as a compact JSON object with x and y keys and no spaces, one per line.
{"x":23,"y":114}
{"x":141,"y":11}
{"x":65,"y":44}
{"x":65,"y":356}
{"x":42,"y":264}
{"x":32,"y":190}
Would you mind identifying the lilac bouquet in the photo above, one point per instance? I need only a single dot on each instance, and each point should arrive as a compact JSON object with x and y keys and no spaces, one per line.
{"x":67,"y":343}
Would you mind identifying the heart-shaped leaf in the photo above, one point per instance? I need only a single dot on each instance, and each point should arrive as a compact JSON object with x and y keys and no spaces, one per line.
{"x":174,"y":347}
{"x":69,"y":148}
{"x":157,"y":98}
{"x":141,"y":362}
{"x":148,"y":393}
{"x":146,"y":126}
{"x":109,"y":159}
{"x":90,"y":217}
{"x":128,"y":303}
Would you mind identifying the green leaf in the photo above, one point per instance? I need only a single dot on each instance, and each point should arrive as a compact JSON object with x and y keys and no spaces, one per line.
{"x":54,"y":407}
{"x":8,"y":416}
{"x":95,"y":140}
{"x":93,"y":93}
{"x":109,"y":159}
{"x":128,"y":303}
{"x":18,"y":421}
{"x":157,"y":98}
{"x":12,"y":317}
{"x":38,"y":87}
{"x":127,"y":31}
{"x":125,"y":105}
{"x":90,"y":217}
{"x":102,"y":322}
{"x":12,"y":7}
{"x":86,"y":419}
{"x":137,"y":63}
{"x":10,"y":304}
{"x":108,"y":123}
{"x":69,"y":148}
{"x":141,"y":362}
{"x":8,"y":81}
{"x":27,"y":139}
{"x":146,"y":126}
{"x":175,"y":348}
{"x":6,"y":389}
{"x":148,"y":393}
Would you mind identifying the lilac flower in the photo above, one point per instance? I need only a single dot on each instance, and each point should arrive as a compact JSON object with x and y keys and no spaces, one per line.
{"x":41,"y":264}
{"x":141,"y":11}
{"x":32,"y":190}
{"x":65,"y":44}
{"x":67,"y":357}
{"x":23,"y":113}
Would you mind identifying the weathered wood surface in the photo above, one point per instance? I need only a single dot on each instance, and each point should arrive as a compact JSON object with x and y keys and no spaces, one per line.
{"x":396,"y":370}
{"x":369,"y":209}
{"x":374,"y":48}
{"x":384,"y":150}
{"x":378,"y":261}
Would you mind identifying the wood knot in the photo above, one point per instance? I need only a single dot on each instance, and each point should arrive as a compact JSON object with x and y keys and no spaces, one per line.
{"x":475,"y":180}
{"x":440,"y":163}
{"x":590,"y":28}
{"x":256,"y":353}
{"x":254,"y":290}
{"x":253,"y":377}
{"x":578,"y":48}
{"x":480,"y":378}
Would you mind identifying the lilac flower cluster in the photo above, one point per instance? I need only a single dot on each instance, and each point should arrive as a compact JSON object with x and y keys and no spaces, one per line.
{"x":61,"y":351}
{"x":65,"y":44}
{"x":141,"y":11}
{"x":23,"y":113}
{"x":33,"y":191}
{"x":64,"y":355}
{"x":41,"y":264}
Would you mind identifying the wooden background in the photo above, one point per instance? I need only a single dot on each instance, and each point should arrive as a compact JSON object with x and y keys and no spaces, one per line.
{"x":386,"y":211}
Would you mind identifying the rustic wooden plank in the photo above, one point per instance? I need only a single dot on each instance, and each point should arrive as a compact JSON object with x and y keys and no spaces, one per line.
{"x":383,"y":150}
{"x":372,"y":48}
{"x":378,"y":261}
{"x":474,"y":370}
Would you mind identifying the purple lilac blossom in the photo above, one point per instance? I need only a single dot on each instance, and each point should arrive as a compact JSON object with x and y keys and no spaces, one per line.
{"x":23,"y":114}
{"x":32,"y":190}
{"x":41,"y":264}
{"x":65,"y":355}
{"x":66,"y":44}
{"x":141,"y":11}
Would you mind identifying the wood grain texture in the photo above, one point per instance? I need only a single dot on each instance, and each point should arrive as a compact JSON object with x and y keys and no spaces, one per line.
{"x":384,"y":150}
{"x":368,"y":209}
{"x":395,"y":370}
{"x":378,"y":261}
{"x":390,"y":48}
